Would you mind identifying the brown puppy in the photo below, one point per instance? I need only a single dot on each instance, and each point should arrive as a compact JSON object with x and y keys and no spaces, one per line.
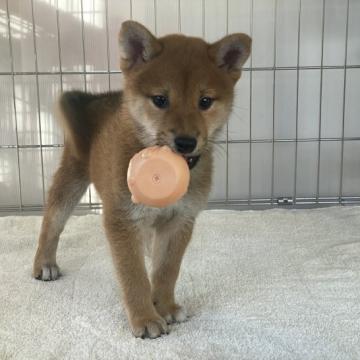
{"x":179,"y":92}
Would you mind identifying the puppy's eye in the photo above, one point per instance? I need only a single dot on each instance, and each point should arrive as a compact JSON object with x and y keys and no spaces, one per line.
{"x":160,"y":101}
{"x":205,"y":102}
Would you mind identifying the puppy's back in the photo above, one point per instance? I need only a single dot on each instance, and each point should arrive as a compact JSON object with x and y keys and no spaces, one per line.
{"x":82,"y":114}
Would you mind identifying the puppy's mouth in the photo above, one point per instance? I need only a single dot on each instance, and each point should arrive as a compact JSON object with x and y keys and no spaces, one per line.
{"x":191,"y":160}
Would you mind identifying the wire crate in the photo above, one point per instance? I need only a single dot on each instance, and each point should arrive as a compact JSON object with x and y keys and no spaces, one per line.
{"x":293,"y":138}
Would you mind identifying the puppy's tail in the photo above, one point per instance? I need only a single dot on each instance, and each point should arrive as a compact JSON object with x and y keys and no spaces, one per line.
{"x":77,"y":121}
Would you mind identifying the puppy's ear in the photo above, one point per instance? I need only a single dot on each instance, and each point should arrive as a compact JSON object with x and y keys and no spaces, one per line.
{"x":230,"y":53}
{"x":137,"y":45}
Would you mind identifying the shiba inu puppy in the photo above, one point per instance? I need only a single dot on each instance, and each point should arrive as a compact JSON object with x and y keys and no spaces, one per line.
{"x":178,"y":92}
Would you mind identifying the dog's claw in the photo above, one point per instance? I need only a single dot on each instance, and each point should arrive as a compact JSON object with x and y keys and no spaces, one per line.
{"x":151,"y":328}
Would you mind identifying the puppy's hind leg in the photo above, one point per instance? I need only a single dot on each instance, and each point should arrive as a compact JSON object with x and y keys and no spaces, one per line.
{"x":70,"y":183}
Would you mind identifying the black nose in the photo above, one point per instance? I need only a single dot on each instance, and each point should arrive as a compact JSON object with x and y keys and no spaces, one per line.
{"x":185,"y":144}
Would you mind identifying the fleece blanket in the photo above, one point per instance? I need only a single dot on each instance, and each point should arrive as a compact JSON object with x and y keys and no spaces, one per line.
{"x":276,"y":284}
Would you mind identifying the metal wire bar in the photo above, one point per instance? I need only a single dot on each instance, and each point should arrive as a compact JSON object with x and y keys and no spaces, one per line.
{"x":267,"y":204}
{"x":244,"y":141}
{"x":227,"y":124}
{"x":59,"y":51}
{"x":309,"y":67}
{"x":38,"y":99}
{"x":59,"y":44}
{"x":297,"y":102}
{"x":305,"y":202}
{"x":107,"y":41}
{"x":30,"y":146}
{"x":179,"y":16}
{"x":155,"y":17}
{"x":14,"y":103}
{"x":344,"y":104}
{"x":320,"y":99}
{"x":105,"y":72}
{"x":84,"y":63}
{"x":250,"y":105}
{"x":83,"y":43}
{"x":203,"y":17}
{"x":65,"y":72}
{"x":274,"y":102}
{"x":262,"y":141}
{"x":301,"y":201}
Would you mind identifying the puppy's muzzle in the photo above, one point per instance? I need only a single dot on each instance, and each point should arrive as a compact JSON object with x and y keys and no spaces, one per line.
{"x":185,"y":145}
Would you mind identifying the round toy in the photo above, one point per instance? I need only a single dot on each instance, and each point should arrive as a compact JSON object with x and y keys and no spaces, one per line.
{"x":157,"y":177}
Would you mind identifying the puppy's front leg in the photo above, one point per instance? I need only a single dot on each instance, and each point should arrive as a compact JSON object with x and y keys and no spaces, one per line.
{"x":168,"y":250}
{"x":127,"y":252}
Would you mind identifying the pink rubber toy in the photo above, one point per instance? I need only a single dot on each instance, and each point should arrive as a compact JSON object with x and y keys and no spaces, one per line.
{"x":157,"y":177}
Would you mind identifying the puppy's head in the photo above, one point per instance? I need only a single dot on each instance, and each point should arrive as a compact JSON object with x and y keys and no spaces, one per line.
{"x":179,"y":89}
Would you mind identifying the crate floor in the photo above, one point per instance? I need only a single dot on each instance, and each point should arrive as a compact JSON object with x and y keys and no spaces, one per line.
{"x":275,"y":284}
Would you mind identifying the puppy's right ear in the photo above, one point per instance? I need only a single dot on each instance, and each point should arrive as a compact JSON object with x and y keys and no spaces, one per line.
{"x":137,"y":45}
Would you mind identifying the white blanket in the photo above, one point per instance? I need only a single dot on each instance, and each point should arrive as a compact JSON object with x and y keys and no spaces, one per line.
{"x":277,"y":284}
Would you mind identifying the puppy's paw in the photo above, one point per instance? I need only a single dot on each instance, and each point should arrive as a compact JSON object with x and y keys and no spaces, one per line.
{"x":176,"y":316}
{"x":46,"y":272}
{"x":149,"y":327}
{"x":172,"y":313}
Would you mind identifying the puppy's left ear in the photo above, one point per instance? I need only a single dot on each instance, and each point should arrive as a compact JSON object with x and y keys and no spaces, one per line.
{"x":230,"y":53}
